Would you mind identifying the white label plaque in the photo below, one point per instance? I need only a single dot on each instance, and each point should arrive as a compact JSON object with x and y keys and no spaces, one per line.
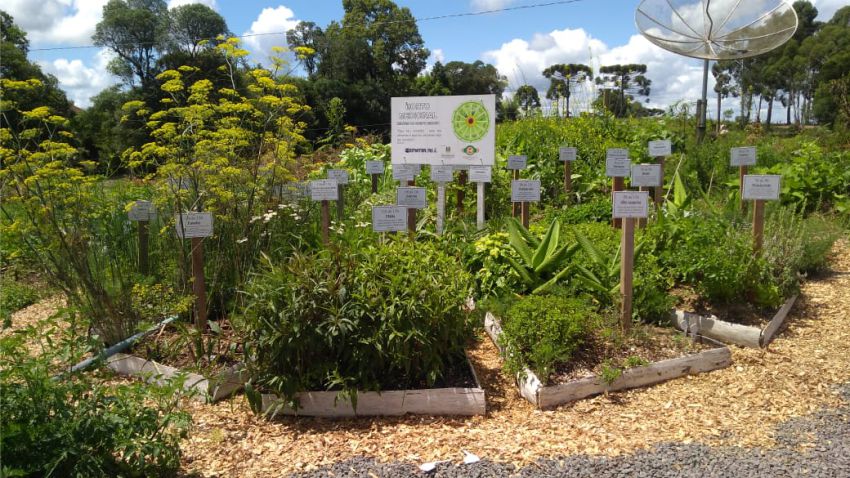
{"x":405,"y":172}
{"x":744,"y":156}
{"x":646,"y":175}
{"x":629,"y":204}
{"x":194,"y":224}
{"x":374,"y":167}
{"x":480,"y":174}
{"x":291,"y":191}
{"x":411,"y":197}
{"x":142,"y":211}
{"x":567,"y":154}
{"x":763,"y":187}
{"x":324,"y":190}
{"x":661,"y":147}
{"x":525,"y":190}
{"x":389,"y":218}
{"x":442,"y":174}
{"x":517,"y":161}
{"x":617,"y":163}
{"x":340,"y":175}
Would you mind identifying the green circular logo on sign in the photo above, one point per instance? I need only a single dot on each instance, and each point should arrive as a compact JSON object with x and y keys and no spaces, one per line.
{"x":470,"y":121}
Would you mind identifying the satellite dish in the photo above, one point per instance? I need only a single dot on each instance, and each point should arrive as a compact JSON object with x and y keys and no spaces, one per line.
{"x":716,"y":29}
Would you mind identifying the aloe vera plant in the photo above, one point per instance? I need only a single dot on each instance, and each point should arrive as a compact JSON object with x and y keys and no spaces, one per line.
{"x":539,"y":259}
{"x":607,"y":282}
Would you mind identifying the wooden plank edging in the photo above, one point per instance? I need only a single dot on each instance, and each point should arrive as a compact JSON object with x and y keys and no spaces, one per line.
{"x":543,"y":397}
{"x":769,"y":332}
{"x":226,"y":383}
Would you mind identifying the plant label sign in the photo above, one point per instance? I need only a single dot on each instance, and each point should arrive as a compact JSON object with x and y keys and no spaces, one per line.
{"x":745,"y":156}
{"x":660,"y":148}
{"x":442,"y":174}
{"x":340,"y":175}
{"x":481,"y":174}
{"x":525,"y":190}
{"x":517,"y":161}
{"x":194,"y":224}
{"x":764,"y":187}
{"x":324,"y":190}
{"x":142,"y":211}
{"x":631,"y":204}
{"x":412,"y":198}
{"x":567,"y":154}
{"x":374,"y":167}
{"x":389,"y":218}
{"x":291,"y":191}
{"x":646,"y":175}
{"x":405,"y":172}
{"x":443,"y":129}
{"x":617,"y":163}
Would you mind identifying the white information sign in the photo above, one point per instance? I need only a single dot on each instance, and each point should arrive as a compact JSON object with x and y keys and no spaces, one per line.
{"x":142,"y":210}
{"x":761,"y":186}
{"x":340,"y":175}
{"x":480,"y":174}
{"x":662,"y":147}
{"x":444,"y":129}
{"x":405,"y":172}
{"x":567,"y":154}
{"x":389,"y":218}
{"x":374,"y":167}
{"x":744,"y":156}
{"x":617,"y":163}
{"x":517,"y":161}
{"x":194,"y":224}
{"x":411,"y":197}
{"x":646,"y":175}
{"x":631,"y":204}
{"x":442,"y":174}
{"x":525,"y":190}
{"x":324,"y":190}
{"x":291,"y":191}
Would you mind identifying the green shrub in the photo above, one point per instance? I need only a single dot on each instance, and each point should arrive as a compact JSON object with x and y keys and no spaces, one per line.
{"x":597,"y":209}
{"x":541,"y":331}
{"x":14,"y":296}
{"x":79,"y":426}
{"x":365,"y":319}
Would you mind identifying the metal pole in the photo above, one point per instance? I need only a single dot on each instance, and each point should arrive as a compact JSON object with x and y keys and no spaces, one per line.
{"x":701,"y":110}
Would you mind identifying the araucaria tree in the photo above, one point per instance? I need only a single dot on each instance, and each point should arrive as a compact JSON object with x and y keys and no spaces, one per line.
{"x":563,"y":79}
{"x":629,"y":81}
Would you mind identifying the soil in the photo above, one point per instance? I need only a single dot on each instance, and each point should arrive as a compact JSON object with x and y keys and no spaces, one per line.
{"x":174,"y":347}
{"x":646,"y":344}
{"x":744,"y":314}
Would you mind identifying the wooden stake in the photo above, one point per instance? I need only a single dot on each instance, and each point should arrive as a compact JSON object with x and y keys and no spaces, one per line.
{"x":411,"y":213}
{"x":525,"y":207}
{"x":144,"y":267}
{"x":568,"y":180}
{"x":441,"y":207}
{"x":515,"y":207}
{"x":198,"y":284}
{"x":742,"y":172}
{"x":462,"y":179}
{"x":659,"y":190}
{"x":326,"y":222}
{"x":479,"y":216}
{"x":758,"y":225}
{"x":618,"y":184}
{"x":340,"y":202}
{"x":374,"y":183}
{"x":641,"y":221}
{"x":626,"y":270}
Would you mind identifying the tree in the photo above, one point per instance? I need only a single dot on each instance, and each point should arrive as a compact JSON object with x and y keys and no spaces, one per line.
{"x":722,"y":86}
{"x":527,"y":99}
{"x":828,"y":51}
{"x":137,"y":32}
{"x":629,"y":81}
{"x":192,"y":27}
{"x":563,"y":79}
{"x":461,"y":78}
{"x":306,"y":35}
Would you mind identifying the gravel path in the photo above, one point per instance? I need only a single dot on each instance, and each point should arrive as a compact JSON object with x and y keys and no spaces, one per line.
{"x":817,"y":445}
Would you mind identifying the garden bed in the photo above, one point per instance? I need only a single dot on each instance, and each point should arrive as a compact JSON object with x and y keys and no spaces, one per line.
{"x":542,"y":396}
{"x":465,"y":399}
{"x":711,"y":326}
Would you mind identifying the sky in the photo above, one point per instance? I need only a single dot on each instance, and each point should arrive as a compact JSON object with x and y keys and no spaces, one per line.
{"x":520,"y":42}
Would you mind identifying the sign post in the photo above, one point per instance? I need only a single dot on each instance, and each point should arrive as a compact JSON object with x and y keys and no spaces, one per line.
{"x":628,"y":205}
{"x":660,"y":150}
{"x":525,"y":191}
{"x":441,"y":175}
{"x":196,"y":226}
{"x":515,"y":164}
{"x":142,"y":212}
{"x":760,"y":188}
{"x":341,"y":177}
{"x":412,"y":198}
{"x":460,"y":196}
{"x":480,"y":175}
{"x":617,"y":166}
{"x":742,"y":157}
{"x":374,"y":169}
{"x":567,"y":155}
{"x":325,"y":190}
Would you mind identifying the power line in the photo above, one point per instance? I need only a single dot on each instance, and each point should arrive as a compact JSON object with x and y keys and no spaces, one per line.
{"x":415,"y":20}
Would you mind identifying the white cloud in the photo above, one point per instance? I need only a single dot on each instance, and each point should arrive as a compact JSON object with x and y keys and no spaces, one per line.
{"x":79,"y":81}
{"x":70,"y":22}
{"x":486,"y":5}
{"x":827,"y":8}
{"x":176,"y":3}
{"x":270,"y":27}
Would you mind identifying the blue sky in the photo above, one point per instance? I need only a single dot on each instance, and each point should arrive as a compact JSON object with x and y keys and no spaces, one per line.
{"x":520,"y":43}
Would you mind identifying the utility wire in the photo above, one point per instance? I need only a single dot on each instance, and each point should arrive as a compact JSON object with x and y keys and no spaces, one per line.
{"x":387,"y":22}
